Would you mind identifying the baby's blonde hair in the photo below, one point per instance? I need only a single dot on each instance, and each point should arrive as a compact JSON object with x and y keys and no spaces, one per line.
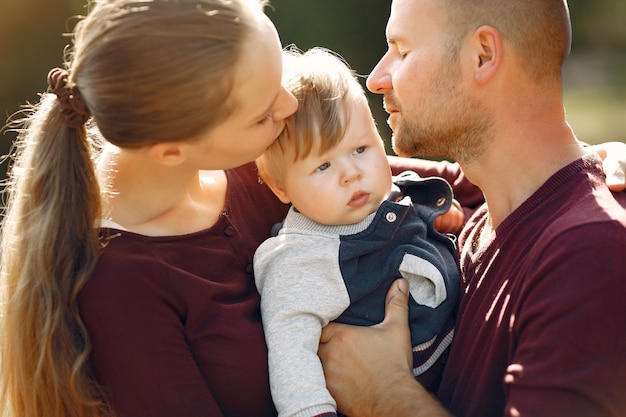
{"x":326,"y":88}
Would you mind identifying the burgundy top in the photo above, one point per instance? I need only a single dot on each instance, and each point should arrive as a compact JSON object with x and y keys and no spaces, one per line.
{"x":175,"y":322}
{"x":541,"y":329}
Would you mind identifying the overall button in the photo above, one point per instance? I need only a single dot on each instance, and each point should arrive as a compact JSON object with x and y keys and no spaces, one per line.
{"x":391,"y":217}
{"x":229,"y":231}
{"x":441,"y":201}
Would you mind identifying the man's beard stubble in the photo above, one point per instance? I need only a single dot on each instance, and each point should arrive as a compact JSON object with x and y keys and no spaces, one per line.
{"x":450,"y":125}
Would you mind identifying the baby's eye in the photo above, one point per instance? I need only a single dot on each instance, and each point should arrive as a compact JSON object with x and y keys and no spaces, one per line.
{"x":359,"y":150}
{"x":323,"y":167}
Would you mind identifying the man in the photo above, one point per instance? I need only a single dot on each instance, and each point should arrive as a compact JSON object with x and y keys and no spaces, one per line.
{"x":540,"y":327}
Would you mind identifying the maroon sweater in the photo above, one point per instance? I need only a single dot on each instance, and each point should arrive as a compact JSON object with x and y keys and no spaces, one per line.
{"x":175,"y":322}
{"x":541,"y":328}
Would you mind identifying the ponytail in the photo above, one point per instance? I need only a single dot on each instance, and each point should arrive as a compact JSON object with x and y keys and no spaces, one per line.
{"x":49,"y":246}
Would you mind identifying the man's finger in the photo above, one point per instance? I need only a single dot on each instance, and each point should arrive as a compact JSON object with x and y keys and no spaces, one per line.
{"x":397,"y":303}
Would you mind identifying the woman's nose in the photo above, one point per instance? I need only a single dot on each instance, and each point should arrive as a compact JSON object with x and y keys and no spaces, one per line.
{"x":286,"y":105}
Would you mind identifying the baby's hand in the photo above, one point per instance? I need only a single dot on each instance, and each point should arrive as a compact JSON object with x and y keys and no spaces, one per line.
{"x":452,"y":221}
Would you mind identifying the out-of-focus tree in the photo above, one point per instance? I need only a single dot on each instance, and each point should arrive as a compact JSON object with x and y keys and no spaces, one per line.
{"x":31,"y":43}
{"x":595,"y":74}
{"x":599,"y":24}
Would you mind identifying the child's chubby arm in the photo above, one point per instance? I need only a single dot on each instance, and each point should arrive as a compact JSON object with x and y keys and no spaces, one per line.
{"x":452,"y":221}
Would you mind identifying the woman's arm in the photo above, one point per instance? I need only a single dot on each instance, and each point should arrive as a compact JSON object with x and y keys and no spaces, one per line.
{"x":613,"y":155}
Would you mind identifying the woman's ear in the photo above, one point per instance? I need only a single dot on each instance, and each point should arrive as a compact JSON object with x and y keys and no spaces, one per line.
{"x":167,"y":153}
{"x":488,"y":49}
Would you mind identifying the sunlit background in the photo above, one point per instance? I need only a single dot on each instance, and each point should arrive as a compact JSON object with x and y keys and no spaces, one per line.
{"x":31,"y":43}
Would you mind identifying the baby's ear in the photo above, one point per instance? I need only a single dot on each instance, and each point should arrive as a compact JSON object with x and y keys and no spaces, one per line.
{"x":278,"y":190}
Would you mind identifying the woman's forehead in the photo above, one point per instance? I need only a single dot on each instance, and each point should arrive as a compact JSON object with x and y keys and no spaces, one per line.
{"x":259,"y":73}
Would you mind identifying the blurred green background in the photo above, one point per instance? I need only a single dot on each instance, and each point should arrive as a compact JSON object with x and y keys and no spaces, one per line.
{"x":31,"y":43}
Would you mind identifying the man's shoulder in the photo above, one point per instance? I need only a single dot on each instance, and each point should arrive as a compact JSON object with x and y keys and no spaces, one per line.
{"x":598,"y":205}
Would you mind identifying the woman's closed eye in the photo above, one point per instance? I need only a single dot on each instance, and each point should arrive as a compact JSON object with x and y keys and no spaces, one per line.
{"x":266,"y":119}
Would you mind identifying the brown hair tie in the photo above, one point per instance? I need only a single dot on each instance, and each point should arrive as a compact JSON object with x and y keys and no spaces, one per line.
{"x":73,"y":108}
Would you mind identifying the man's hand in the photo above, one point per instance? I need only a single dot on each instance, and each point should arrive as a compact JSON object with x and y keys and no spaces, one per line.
{"x":369,"y":369}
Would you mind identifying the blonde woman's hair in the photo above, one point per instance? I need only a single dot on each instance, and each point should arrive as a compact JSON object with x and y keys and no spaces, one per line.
{"x":325,"y":88}
{"x":148,"y":71}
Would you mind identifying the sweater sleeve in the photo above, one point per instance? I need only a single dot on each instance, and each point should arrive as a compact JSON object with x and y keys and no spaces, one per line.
{"x":301,"y":290}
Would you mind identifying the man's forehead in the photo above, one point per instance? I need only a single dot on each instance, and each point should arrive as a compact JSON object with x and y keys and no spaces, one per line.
{"x":402,"y":12}
{"x":407,"y":15}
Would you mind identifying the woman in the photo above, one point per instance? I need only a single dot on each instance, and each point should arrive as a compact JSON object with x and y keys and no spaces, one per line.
{"x":126,"y":262}
{"x":177,"y":87}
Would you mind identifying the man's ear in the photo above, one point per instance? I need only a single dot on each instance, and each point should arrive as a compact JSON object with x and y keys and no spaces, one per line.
{"x":488,"y":50}
{"x":278,"y":190}
{"x":167,"y":153}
